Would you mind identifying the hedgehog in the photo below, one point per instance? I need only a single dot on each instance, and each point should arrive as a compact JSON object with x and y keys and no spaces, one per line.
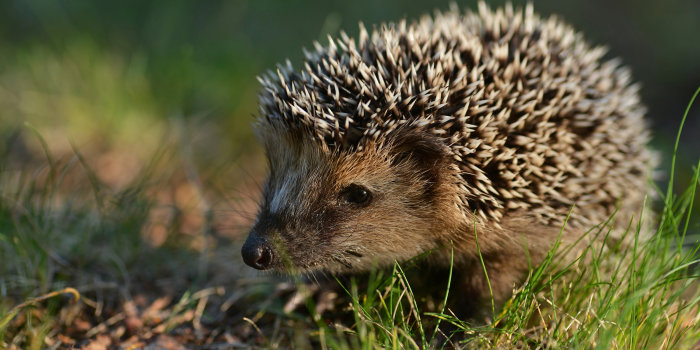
{"x":470,"y":135}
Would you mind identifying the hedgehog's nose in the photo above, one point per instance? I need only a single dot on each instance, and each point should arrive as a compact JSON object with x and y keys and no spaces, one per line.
{"x":256,"y":253}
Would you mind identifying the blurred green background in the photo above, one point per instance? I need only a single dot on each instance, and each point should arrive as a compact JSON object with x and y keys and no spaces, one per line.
{"x":111,"y":76}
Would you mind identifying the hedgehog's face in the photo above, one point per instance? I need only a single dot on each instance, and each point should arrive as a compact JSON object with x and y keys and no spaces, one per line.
{"x":345,"y":211}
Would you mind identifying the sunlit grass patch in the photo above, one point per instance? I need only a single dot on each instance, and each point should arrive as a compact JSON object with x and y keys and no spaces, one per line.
{"x":83,"y":92}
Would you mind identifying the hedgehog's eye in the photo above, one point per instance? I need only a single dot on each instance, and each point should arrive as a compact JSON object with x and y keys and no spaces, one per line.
{"x":356,"y":194}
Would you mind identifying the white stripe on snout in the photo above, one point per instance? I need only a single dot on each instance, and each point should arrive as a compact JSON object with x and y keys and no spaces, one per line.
{"x":291,"y":184}
{"x":281,"y":195}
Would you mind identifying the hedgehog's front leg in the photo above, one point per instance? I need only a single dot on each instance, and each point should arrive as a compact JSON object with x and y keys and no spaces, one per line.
{"x":484,"y":289}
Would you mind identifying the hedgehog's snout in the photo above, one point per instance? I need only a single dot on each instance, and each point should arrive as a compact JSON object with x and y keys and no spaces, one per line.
{"x":257,"y":252}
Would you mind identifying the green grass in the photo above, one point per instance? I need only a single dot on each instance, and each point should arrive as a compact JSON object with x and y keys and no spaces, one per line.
{"x":60,"y":226}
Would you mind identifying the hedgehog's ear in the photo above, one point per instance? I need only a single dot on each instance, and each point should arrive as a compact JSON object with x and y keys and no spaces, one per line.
{"x":421,"y":150}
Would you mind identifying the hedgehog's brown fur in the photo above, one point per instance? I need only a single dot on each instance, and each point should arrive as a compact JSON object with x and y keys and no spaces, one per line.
{"x":501,"y":114}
